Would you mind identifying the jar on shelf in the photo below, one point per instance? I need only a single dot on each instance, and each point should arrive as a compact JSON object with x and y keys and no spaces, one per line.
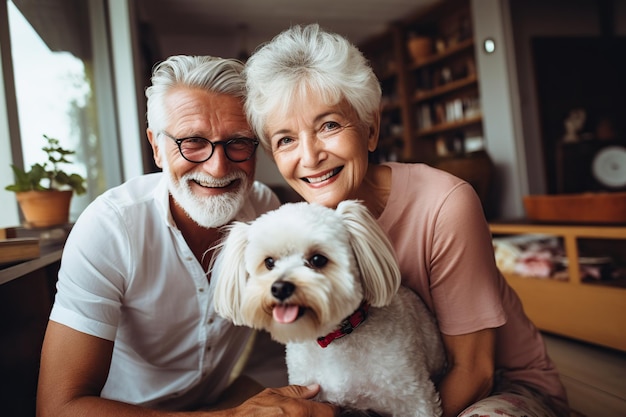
{"x":419,"y":47}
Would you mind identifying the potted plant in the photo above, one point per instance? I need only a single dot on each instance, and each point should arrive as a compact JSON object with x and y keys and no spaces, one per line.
{"x":45,"y":191}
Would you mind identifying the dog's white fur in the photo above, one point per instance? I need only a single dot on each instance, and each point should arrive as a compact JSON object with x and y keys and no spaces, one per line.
{"x":386,"y":364}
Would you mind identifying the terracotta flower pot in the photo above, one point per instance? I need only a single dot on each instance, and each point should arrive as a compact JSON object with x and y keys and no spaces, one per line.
{"x":420,"y":48}
{"x":45,"y":208}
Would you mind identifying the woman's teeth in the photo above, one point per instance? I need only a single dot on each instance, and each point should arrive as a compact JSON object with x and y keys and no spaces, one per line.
{"x":324,"y":177}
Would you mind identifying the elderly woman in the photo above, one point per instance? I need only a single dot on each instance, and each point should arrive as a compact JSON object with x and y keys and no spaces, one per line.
{"x":314,"y":102}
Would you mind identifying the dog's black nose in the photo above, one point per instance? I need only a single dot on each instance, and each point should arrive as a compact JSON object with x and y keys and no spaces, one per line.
{"x":282,"y":289}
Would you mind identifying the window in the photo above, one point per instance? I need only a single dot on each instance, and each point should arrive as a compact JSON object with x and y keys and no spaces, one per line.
{"x":62,"y":74}
{"x":54,"y":94}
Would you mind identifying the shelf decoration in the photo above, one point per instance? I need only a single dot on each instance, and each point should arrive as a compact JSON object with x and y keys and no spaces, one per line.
{"x":420,"y":47}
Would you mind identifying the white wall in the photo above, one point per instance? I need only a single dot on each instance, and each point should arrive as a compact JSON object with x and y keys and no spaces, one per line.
{"x":496,"y":72}
{"x":125,"y":68}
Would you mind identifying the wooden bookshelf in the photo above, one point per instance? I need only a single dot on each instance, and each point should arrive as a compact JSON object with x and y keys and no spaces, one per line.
{"x":589,"y":311}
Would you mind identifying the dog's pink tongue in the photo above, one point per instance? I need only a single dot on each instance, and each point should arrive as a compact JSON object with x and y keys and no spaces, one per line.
{"x":285,"y":313}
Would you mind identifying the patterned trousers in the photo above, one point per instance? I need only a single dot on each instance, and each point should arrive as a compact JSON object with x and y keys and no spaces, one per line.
{"x":515,"y":400}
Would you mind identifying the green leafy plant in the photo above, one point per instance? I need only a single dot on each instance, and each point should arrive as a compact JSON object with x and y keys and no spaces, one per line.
{"x":49,"y":175}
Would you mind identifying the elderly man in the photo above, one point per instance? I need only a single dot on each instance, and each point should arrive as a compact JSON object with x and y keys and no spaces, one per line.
{"x":133,"y":331}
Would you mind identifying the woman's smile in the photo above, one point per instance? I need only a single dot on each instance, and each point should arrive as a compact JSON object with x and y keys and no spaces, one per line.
{"x":320,"y":178}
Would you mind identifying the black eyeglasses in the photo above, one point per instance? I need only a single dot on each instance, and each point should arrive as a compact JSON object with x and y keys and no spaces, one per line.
{"x":198,"y":150}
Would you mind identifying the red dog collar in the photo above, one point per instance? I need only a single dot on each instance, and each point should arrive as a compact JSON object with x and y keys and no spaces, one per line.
{"x":347,"y":326}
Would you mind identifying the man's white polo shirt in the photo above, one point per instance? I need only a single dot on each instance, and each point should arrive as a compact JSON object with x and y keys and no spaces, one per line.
{"x":127,"y":275}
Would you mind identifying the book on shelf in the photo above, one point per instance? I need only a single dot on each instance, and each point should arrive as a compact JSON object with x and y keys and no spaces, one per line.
{"x":18,"y":249}
{"x":50,"y":238}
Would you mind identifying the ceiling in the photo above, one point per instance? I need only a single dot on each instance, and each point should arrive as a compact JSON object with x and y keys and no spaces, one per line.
{"x":262,"y":19}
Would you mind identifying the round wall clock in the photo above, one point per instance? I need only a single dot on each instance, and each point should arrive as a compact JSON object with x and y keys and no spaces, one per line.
{"x":609,"y":166}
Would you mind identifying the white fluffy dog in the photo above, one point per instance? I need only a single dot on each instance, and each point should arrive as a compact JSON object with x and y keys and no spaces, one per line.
{"x":326,"y":283}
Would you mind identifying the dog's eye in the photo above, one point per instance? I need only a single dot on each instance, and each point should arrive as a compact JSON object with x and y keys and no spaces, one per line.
{"x":318,"y":261}
{"x":269,"y":263}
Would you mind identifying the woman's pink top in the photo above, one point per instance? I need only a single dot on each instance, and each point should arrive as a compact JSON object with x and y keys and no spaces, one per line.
{"x":443,"y":243}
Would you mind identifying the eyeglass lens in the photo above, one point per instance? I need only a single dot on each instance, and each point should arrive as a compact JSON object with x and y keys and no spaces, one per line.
{"x":201,"y":149}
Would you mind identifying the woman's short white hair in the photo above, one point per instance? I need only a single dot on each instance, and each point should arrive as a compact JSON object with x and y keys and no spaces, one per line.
{"x":219,"y":75}
{"x":305,"y":59}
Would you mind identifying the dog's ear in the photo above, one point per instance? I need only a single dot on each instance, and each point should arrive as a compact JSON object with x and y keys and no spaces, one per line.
{"x":229,"y":273}
{"x":373,"y":251}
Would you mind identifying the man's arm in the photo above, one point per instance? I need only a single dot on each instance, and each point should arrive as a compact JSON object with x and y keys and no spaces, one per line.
{"x":74,"y":368}
{"x":469,"y":377}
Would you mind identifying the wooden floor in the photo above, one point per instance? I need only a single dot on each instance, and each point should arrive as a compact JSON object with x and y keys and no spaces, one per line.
{"x":594,"y":377}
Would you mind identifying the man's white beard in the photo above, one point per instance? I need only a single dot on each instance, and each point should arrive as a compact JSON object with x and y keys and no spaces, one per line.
{"x":209,"y":212}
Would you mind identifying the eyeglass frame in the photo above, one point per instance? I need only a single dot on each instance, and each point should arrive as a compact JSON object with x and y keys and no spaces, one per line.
{"x":224,"y":143}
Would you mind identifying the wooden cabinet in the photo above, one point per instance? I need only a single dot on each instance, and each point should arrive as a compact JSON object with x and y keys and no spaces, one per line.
{"x":589,"y":310}
{"x":26,"y":295}
{"x":427,"y":68}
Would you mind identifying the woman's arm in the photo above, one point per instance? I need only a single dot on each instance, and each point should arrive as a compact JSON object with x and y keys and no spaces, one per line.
{"x":470,"y":370}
